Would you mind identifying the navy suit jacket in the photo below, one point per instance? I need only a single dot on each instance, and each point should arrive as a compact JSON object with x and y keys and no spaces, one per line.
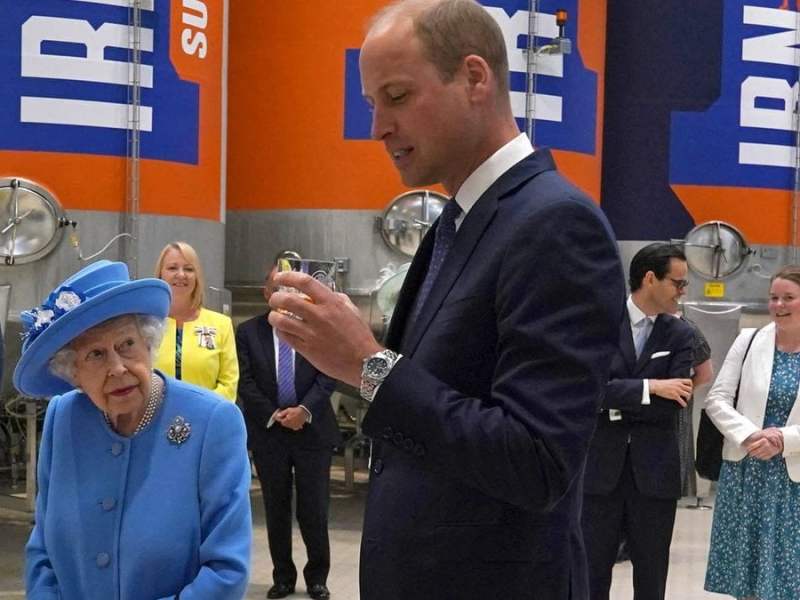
{"x":481,"y":430}
{"x":653,"y":429}
{"x":258,"y":386}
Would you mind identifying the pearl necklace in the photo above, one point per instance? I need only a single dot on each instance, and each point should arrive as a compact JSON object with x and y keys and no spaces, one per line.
{"x":153,"y":402}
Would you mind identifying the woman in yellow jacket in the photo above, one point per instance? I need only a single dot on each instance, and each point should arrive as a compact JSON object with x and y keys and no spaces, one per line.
{"x":198,"y":345}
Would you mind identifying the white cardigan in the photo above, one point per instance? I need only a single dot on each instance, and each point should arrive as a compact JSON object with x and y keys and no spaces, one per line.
{"x":739,"y":423}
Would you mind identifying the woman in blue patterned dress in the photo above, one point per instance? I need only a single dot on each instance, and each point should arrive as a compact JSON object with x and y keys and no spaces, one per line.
{"x":755,"y":538}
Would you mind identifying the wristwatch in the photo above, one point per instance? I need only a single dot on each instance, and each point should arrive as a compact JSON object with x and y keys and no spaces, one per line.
{"x":376,"y":368}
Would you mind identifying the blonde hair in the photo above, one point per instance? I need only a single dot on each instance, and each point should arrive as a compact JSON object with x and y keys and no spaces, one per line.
{"x":191,"y":257}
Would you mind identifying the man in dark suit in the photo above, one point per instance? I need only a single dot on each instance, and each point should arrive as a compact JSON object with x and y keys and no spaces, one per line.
{"x":632,"y":478}
{"x":483,"y":404}
{"x":291,"y":429}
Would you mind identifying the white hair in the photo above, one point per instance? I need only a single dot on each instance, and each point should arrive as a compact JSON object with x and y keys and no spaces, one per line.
{"x":150,"y":327}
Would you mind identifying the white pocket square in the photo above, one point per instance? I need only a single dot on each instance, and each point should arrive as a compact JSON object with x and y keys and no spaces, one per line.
{"x":660,"y":354}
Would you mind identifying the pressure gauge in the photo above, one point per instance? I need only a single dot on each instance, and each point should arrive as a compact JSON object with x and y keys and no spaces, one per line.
{"x":30,"y":221}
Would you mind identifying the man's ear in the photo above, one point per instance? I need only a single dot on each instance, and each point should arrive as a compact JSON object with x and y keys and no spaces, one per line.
{"x":480,"y":78}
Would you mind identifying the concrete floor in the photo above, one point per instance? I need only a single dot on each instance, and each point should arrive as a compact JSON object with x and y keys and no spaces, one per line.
{"x":688,"y":562}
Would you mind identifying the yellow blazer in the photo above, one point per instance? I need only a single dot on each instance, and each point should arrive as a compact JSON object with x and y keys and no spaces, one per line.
{"x":208,"y":353}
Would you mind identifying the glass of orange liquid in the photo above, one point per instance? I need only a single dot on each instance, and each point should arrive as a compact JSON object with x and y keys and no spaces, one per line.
{"x":323,"y":271}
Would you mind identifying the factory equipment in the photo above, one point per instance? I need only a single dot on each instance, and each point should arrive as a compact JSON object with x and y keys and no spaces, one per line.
{"x":384,"y":297}
{"x":715,"y":249}
{"x":31,"y":221}
{"x":19,"y":443}
{"x":407,"y":218}
{"x":403,"y":224}
{"x":560,"y":44}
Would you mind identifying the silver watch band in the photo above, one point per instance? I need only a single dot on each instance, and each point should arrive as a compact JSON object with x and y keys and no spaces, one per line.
{"x":370,"y":384}
{"x":369,"y":389}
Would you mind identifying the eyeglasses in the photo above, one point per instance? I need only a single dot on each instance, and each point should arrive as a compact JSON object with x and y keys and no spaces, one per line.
{"x":680,"y":284}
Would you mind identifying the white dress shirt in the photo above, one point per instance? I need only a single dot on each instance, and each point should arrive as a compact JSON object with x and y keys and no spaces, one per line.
{"x":636,"y":316}
{"x":490,"y":171}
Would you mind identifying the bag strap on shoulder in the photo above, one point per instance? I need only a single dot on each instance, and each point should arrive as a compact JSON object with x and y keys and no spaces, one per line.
{"x":741,"y":369}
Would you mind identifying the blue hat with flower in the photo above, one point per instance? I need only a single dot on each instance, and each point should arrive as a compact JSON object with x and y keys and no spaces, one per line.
{"x":96,"y":293}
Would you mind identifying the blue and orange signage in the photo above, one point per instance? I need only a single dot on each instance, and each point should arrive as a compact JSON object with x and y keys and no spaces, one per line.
{"x":67,"y":109}
{"x":567,"y":89}
{"x":736,"y":157}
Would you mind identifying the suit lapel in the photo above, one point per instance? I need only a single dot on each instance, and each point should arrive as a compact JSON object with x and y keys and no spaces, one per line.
{"x":268,"y":344}
{"x":469,"y":234}
{"x":301,"y":368}
{"x":398,"y":326}
{"x":653,"y":341}
{"x":626,"y":342}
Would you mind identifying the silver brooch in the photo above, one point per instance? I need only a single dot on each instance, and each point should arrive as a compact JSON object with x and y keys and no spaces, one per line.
{"x":179,"y":431}
{"x":205,"y":337}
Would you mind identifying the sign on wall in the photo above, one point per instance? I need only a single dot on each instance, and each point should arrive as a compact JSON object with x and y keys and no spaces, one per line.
{"x":67,"y":69}
{"x":747,"y":136}
{"x":566,"y":98}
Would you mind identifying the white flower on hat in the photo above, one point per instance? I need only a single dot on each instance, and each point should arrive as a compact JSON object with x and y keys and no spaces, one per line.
{"x":67,"y":300}
{"x":43,"y":318}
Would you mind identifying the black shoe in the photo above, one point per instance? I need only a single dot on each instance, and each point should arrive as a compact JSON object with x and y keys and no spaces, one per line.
{"x":280,"y":590}
{"x":319,"y":591}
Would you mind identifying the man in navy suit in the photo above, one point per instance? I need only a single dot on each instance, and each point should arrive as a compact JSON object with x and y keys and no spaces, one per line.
{"x":291,"y":429}
{"x":484,"y":401}
{"x":633,"y":469}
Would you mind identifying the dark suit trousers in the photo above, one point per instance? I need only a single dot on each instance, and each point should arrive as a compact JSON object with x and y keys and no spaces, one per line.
{"x":646,"y":523}
{"x":281,"y":457}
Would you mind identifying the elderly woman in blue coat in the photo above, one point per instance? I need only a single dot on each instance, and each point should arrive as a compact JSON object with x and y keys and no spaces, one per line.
{"x":143,"y":480}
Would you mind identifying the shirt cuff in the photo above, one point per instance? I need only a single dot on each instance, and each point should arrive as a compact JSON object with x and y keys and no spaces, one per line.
{"x":308,"y":413}
{"x":645,"y":392}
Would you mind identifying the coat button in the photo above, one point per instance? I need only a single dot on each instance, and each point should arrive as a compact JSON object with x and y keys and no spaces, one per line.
{"x":387,"y":433}
{"x":116,"y":448}
{"x":377,"y":467}
{"x":108,"y":503}
{"x":398,"y":438}
{"x":103,"y":560}
{"x":408,"y":444}
{"x":419,"y":450}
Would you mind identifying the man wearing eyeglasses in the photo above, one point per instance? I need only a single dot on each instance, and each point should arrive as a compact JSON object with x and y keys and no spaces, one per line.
{"x":632,"y":480}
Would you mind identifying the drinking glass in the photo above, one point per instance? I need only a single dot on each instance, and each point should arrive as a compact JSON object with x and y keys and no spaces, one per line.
{"x":323,"y":271}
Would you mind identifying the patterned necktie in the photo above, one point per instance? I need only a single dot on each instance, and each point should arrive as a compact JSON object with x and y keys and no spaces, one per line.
{"x":443,"y":241}
{"x":643,"y":328}
{"x":286,"y":392}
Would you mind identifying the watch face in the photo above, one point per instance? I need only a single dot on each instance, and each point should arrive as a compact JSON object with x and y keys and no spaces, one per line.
{"x":376,"y":367}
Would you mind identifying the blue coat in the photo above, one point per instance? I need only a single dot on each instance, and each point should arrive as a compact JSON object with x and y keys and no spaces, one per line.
{"x":141,"y":518}
{"x":481,"y":430}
